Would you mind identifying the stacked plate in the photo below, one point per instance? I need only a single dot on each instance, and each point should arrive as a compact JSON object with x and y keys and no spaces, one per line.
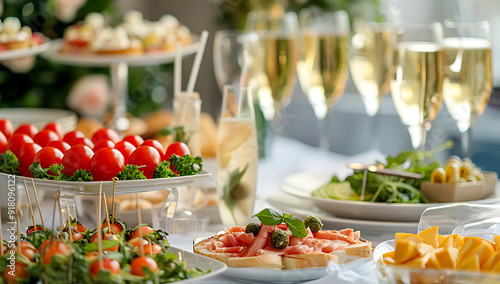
{"x":40,"y":116}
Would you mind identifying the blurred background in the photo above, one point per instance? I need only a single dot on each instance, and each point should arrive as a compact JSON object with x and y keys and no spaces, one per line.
{"x":38,"y":83}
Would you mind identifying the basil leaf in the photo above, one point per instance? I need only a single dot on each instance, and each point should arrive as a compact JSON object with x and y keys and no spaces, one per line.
{"x":106,"y":244}
{"x":269,"y":217}
{"x":297,"y":227}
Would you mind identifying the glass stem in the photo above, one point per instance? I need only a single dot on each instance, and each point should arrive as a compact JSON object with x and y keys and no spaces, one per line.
{"x":423,"y":138}
{"x":373,"y":131}
{"x":324,"y":135}
{"x":466,"y":143}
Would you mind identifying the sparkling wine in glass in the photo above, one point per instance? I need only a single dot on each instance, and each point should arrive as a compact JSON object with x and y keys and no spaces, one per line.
{"x":275,"y":62}
{"x":467,"y":81}
{"x":322,"y":68}
{"x":416,"y":87}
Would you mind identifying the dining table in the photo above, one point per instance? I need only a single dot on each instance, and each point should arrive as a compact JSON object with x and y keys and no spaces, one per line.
{"x":288,"y":156}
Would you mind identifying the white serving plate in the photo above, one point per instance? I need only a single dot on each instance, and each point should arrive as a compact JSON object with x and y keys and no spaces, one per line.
{"x":199,"y":261}
{"x":302,"y":184}
{"x":23,"y":52}
{"x":98,"y":60}
{"x":123,"y":186}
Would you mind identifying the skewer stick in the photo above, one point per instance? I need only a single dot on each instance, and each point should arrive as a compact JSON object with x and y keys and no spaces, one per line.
{"x":139,"y":221}
{"x":1,"y":234}
{"x":63,"y":224}
{"x":70,"y":228}
{"x":115,"y":179}
{"x":38,"y":204}
{"x":29,"y":204}
{"x":106,"y":210}
{"x":99,"y":229}
{"x":54,"y":211}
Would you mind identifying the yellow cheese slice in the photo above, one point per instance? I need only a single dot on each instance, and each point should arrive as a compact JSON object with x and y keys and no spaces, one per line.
{"x":447,"y":257}
{"x":433,"y":262}
{"x":455,"y":241}
{"x":493,"y":264}
{"x":412,"y":238}
{"x":430,"y":236}
{"x":405,"y":251}
{"x":397,"y":236}
{"x":469,"y":248}
{"x":497,"y":242}
{"x":418,"y":262}
{"x":471,"y":263}
{"x":423,"y":248}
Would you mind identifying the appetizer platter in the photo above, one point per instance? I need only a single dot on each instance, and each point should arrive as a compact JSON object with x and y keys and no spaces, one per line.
{"x":394,"y":191}
{"x":18,"y":41}
{"x":283,"y":248}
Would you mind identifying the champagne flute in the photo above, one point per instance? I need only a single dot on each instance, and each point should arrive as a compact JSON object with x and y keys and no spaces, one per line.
{"x":237,"y":157}
{"x":467,"y":81}
{"x":323,"y":69}
{"x":275,"y":62}
{"x":232,"y":52}
{"x":416,"y":87}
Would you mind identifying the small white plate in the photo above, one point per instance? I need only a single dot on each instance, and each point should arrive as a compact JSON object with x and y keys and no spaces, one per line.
{"x":122,"y":186}
{"x":40,"y":116}
{"x":23,"y":52}
{"x":98,"y":60}
{"x":304,"y":183}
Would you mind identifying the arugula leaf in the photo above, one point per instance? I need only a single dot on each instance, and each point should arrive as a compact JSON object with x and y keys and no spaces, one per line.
{"x":106,"y":244}
{"x":9,"y":163}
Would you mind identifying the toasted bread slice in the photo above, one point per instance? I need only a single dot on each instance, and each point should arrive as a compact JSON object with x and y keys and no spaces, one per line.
{"x":363,"y":249}
{"x":315,"y":259}
{"x":269,"y":260}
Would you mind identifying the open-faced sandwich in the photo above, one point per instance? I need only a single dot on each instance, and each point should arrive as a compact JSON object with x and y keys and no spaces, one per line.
{"x":283,"y":242}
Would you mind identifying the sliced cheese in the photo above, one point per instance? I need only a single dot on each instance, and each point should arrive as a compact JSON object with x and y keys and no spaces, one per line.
{"x":471,"y":263}
{"x":412,"y":238}
{"x":430,"y":236}
{"x":419,"y":262}
{"x":469,"y":248}
{"x":433,"y":262}
{"x":405,"y":251}
{"x":423,"y":248}
{"x":497,"y":242}
{"x":447,"y":257}
{"x":455,"y":241}
{"x":492,"y":263}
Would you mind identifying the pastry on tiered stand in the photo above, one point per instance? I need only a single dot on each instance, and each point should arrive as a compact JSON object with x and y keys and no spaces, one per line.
{"x":13,"y":36}
{"x":79,"y":37}
{"x":115,"y":41}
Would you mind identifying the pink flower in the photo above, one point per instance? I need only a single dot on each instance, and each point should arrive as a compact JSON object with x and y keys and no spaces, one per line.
{"x":66,"y":9}
{"x":90,"y":96}
{"x":20,"y":65}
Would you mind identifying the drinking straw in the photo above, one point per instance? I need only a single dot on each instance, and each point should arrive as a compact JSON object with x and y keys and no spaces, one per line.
{"x":178,"y":69}
{"x":197,"y":62}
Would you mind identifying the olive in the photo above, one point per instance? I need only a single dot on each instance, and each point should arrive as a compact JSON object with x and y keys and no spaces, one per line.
{"x":279,"y":239}
{"x":314,"y":223}
{"x":252,"y":228}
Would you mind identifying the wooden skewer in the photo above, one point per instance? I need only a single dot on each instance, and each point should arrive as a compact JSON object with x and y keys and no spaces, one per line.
{"x":38,"y":204}
{"x":54,"y":211}
{"x":99,"y":229}
{"x":1,"y":235}
{"x":106,"y":210}
{"x":63,"y":224}
{"x":29,"y":204}
{"x":115,"y":180}
{"x":70,"y":228}
{"x":70,"y":266}
{"x":139,"y":221}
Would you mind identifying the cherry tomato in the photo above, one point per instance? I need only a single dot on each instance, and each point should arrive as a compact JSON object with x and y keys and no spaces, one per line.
{"x":54,"y":248}
{"x":70,"y":136}
{"x":32,"y":229}
{"x":27,"y":128}
{"x":109,"y":236}
{"x":83,"y":141}
{"x":126,"y":149}
{"x":56,"y":127}
{"x":44,"y":244}
{"x":6,"y":127}
{"x":178,"y":148}
{"x":115,"y":227}
{"x":145,"y":230}
{"x":3,"y":143}
{"x":135,"y":140}
{"x":16,"y":141}
{"x":28,"y":250}
{"x":147,"y":247}
{"x":44,"y":137}
{"x":103,"y":143}
{"x":13,"y":276}
{"x":77,"y":157}
{"x":108,"y":264}
{"x":48,"y":156}
{"x":143,"y":261}
{"x":79,"y":227}
{"x":61,"y":145}
{"x":155,"y":144}
{"x":26,"y":155}
{"x":105,"y":133}
{"x":147,"y":158}
{"x":106,"y":164}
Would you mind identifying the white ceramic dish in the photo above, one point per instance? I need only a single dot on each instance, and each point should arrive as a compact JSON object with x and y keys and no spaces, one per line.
{"x":23,"y":52}
{"x":195,"y":260}
{"x":303,"y":183}
{"x":97,"y":60}
{"x":263,"y":275}
{"x":40,"y":116}
{"x":123,"y":186}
